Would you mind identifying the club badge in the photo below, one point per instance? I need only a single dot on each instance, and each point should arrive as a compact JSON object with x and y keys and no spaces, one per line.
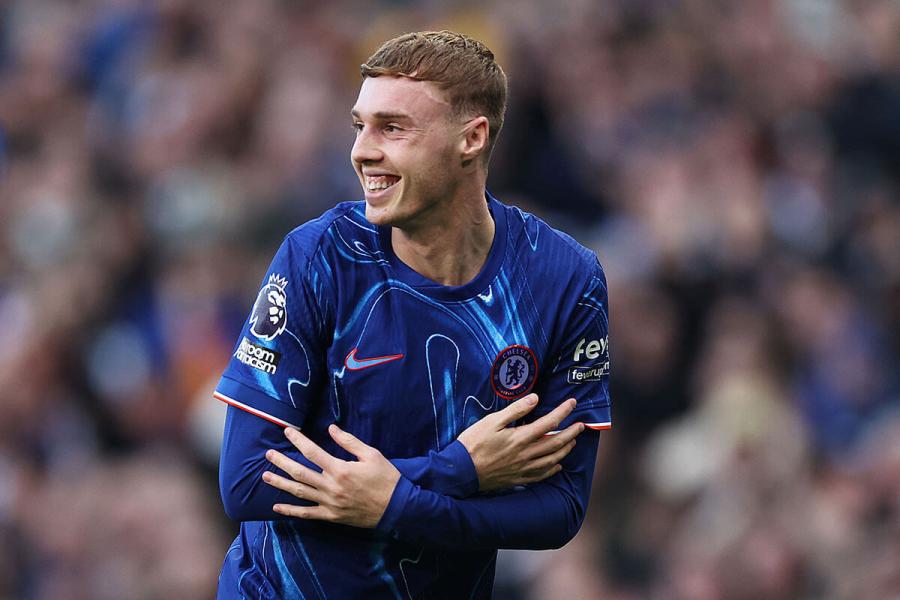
{"x":514,"y":372}
{"x":269,"y":317}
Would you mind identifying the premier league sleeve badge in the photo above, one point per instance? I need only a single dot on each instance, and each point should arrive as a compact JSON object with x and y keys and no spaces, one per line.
{"x":269,"y":317}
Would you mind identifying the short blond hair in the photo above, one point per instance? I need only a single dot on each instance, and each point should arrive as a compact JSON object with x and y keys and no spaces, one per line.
{"x":462,"y":67}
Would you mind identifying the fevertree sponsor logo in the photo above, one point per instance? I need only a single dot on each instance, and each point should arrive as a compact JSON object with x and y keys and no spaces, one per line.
{"x":591,"y":350}
{"x":585,"y":374}
{"x":258,"y":357}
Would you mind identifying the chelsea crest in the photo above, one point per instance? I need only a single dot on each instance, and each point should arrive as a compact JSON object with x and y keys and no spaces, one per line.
{"x":514,"y":372}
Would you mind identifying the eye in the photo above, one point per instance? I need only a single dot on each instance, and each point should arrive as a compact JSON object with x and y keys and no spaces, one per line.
{"x":391,"y":128}
{"x":357,"y":126}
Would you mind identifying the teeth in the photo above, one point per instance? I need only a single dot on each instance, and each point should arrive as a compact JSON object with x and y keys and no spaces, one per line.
{"x":380,"y":182}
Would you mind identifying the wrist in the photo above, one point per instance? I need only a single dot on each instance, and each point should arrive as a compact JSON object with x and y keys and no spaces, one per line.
{"x":465,"y":469}
{"x":387,"y":524}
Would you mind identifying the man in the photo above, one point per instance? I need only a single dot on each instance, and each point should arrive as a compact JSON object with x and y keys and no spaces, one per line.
{"x":425,"y":342}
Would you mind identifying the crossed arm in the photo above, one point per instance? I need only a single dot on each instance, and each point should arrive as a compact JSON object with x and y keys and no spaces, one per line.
{"x":372,"y":492}
{"x":489,"y":460}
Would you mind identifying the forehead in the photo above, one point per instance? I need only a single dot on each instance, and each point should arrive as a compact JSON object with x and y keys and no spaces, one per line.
{"x":392,"y":95}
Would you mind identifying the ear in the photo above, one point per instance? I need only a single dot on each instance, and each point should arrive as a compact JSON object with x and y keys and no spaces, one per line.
{"x":474,"y":139}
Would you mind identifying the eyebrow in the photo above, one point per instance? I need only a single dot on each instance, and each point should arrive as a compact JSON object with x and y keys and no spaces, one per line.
{"x":384,"y":115}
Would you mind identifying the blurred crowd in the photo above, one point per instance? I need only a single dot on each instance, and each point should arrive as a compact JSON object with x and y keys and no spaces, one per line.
{"x":735,"y":164}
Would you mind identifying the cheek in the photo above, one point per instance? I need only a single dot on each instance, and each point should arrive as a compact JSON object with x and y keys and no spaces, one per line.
{"x":438,"y":162}
{"x":427,"y":167}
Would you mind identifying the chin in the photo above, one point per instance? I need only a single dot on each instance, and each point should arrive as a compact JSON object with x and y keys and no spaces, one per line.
{"x":380,"y":216}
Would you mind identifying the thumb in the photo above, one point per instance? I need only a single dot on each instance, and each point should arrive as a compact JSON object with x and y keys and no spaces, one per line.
{"x":517,"y":409}
{"x":348,"y":441}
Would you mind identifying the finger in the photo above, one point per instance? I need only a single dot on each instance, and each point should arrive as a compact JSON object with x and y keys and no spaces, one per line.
{"x":315,"y":513}
{"x":569,"y":433}
{"x":299,"y":472}
{"x":547,"y":444}
{"x":546,"y":462}
{"x":294,"y":488}
{"x":544,"y":474}
{"x":516,"y":410}
{"x":350,"y":442}
{"x":310,"y":449}
{"x":551,"y":420}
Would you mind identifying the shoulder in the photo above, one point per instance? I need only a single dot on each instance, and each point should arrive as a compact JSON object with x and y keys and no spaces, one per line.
{"x":549,"y":251}
{"x":315,"y":249}
{"x":308,"y":238}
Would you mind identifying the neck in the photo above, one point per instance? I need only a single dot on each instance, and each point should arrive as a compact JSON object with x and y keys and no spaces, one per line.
{"x":452,"y":247}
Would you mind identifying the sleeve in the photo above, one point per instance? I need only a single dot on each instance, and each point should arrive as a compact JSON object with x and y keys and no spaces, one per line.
{"x":275,"y":375}
{"x":580,"y":364}
{"x":537,"y":517}
{"x":277,"y":368}
{"x":242,"y":462}
{"x":547,"y":514}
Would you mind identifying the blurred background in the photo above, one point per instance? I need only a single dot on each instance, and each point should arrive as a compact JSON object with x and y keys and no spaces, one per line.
{"x":735,"y":164}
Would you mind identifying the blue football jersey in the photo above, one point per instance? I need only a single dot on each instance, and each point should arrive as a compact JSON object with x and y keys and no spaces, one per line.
{"x":344,"y":332}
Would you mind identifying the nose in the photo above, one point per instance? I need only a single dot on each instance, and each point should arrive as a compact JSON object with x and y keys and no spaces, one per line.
{"x":365,"y":148}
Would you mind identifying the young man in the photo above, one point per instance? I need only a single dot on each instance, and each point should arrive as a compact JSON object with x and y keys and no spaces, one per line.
{"x":425,"y":342}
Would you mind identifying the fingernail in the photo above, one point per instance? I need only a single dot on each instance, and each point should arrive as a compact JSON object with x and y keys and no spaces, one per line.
{"x":277,"y":508}
{"x":270,"y":454}
{"x":532,"y":400}
{"x":267,"y":476}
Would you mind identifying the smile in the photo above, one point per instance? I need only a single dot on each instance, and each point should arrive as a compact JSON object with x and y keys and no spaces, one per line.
{"x":376,"y":183}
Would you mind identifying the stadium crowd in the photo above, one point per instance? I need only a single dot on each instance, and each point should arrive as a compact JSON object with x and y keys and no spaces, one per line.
{"x":736,"y":166}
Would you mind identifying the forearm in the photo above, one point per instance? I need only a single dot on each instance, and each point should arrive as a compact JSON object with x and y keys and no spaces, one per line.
{"x":247,"y":498}
{"x":449,"y":472}
{"x":541,"y":516}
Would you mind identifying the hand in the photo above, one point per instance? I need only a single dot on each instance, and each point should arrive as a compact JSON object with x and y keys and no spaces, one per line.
{"x":507,"y":456}
{"x":349,"y":492}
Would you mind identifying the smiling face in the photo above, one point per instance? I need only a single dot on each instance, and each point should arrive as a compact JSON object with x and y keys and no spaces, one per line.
{"x":407,"y":150}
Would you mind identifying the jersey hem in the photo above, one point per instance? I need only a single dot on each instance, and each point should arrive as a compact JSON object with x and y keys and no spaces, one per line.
{"x":593,"y":426}
{"x":256,"y":402}
{"x":232,"y":402}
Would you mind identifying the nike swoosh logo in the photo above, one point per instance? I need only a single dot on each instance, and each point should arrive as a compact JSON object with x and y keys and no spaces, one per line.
{"x":357,"y":364}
